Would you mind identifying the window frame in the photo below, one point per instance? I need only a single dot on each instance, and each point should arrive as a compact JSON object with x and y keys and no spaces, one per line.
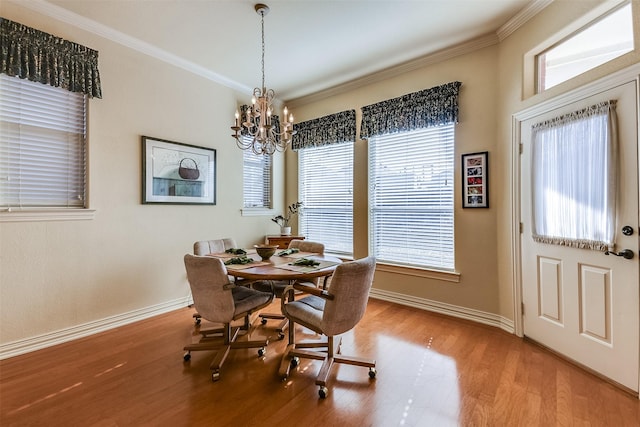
{"x":267,"y":194}
{"x":538,"y":58}
{"x":339,"y":195}
{"x":448,"y":272}
{"x":40,"y":132}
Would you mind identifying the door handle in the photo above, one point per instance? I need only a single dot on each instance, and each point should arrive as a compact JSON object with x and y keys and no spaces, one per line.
{"x":625,"y":253}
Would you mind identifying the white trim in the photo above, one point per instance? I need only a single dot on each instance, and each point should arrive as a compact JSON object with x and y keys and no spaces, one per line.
{"x":257,"y":211}
{"x":478,"y":316}
{"x":71,"y":18}
{"x":447,"y":276}
{"x":521,"y":18}
{"x":47,"y":215}
{"x":618,"y":78}
{"x":49,"y":339}
{"x":64,"y":15}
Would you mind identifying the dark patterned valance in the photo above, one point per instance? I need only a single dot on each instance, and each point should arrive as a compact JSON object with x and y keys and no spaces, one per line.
{"x":429,"y":107}
{"x":331,"y":129}
{"x":40,"y":57}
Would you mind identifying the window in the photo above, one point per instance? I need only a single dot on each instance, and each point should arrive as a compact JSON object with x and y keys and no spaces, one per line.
{"x":325,"y":187}
{"x":575,"y":178}
{"x":42,"y":146}
{"x":600,"y":42}
{"x":256,"y":187}
{"x":411,"y":197}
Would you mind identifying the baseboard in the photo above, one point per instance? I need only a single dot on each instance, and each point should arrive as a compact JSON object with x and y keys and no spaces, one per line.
{"x":39,"y":342}
{"x":447,"y":309}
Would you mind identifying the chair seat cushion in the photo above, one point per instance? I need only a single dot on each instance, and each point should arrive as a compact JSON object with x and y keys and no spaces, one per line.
{"x":247,"y":299}
{"x":307,"y":310}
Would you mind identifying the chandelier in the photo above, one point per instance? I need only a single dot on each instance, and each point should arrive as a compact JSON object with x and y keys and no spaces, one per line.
{"x":257,"y":128}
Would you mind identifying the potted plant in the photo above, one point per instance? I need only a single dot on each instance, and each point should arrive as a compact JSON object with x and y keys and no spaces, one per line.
{"x":283,"y":220}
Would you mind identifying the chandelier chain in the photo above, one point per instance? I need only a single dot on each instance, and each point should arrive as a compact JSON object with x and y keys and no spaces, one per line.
{"x":258,"y":129}
{"x":262,"y":22}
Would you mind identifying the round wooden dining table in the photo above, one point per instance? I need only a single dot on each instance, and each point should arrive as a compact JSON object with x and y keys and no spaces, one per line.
{"x":280,"y":268}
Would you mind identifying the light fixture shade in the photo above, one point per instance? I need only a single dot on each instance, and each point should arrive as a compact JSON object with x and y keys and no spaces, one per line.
{"x":256,"y":127}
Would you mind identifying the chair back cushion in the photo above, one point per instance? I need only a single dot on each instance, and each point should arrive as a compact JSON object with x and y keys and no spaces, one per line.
{"x":307,"y":246}
{"x":204,"y":247}
{"x":350,"y":286}
{"x":207,"y":277}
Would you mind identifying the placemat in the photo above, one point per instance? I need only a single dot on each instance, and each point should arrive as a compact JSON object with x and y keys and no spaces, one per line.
{"x":244,"y":266}
{"x":307,"y":268}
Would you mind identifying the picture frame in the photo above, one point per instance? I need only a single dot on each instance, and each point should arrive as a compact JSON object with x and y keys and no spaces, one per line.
{"x":177,"y":173}
{"x":475,"y":180}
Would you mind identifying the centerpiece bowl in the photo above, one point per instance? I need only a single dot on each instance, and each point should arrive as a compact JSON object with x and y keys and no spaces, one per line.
{"x":266,"y":251}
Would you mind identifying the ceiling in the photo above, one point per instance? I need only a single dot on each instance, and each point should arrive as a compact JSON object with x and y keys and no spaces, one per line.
{"x":311,"y":45}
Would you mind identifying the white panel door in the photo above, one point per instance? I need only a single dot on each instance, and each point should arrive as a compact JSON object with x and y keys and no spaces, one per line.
{"x":579,"y":302}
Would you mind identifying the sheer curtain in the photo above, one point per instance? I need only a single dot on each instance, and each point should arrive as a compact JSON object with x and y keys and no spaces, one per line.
{"x":574,"y":178}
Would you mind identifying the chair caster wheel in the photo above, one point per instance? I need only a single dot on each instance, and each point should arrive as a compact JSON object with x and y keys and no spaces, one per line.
{"x":261,"y":352}
{"x":215,"y":376}
{"x":186,"y":357}
{"x":323,"y":392}
{"x":280,"y":336}
{"x":295,"y":361}
{"x":263,"y":321}
{"x":372,"y":373}
{"x":197,"y":321}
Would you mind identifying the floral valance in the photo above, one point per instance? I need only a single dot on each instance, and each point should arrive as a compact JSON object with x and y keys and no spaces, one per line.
{"x":331,"y":129}
{"x":428,"y":107}
{"x":40,"y":57}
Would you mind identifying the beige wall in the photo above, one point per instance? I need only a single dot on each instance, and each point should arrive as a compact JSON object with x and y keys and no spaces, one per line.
{"x":475,"y":237}
{"x":57,"y":275}
{"x":61,"y":274}
{"x":493,"y":89}
{"x":515,"y":93}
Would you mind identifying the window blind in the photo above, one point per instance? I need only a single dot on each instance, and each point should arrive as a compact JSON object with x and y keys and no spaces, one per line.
{"x":325,"y":187}
{"x":411,"y":197}
{"x":256,"y":185}
{"x":42,"y":145}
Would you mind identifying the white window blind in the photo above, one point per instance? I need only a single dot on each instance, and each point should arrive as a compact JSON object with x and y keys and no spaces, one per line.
{"x":257,"y":180}
{"x":325,"y":187}
{"x":42,"y":146}
{"x":411,"y":197}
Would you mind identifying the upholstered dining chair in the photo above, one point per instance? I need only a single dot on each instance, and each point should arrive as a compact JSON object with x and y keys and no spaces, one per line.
{"x":330,"y":313}
{"x":205,"y":247}
{"x":279,"y":285}
{"x":220,"y":301}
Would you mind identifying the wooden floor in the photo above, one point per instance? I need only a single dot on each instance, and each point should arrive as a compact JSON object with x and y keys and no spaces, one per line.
{"x":432,"y":371}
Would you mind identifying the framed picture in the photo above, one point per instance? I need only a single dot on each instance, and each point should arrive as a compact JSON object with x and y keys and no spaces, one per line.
{"x":176,"y":173}
{"x":475,"y":180}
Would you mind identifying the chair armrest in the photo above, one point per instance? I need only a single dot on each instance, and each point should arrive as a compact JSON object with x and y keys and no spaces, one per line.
{"x":287,"y":293}
{"x":322,"y":293}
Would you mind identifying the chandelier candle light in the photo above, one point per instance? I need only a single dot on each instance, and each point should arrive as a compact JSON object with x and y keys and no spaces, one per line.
{"x":258,"y":122}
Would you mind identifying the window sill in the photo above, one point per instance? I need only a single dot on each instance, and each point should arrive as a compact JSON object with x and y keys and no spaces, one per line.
{"x":257,"y":212}
{"x":447,"y":276}
{"x":47,"y":215}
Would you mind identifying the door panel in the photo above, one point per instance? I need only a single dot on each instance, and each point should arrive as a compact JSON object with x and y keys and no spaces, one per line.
{"x":579,"y":302}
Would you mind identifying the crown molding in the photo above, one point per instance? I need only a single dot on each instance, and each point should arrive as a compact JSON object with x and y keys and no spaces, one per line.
{"x":63,"y":15}
{"x":378,"y":76}
{"x":521,"y":18}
